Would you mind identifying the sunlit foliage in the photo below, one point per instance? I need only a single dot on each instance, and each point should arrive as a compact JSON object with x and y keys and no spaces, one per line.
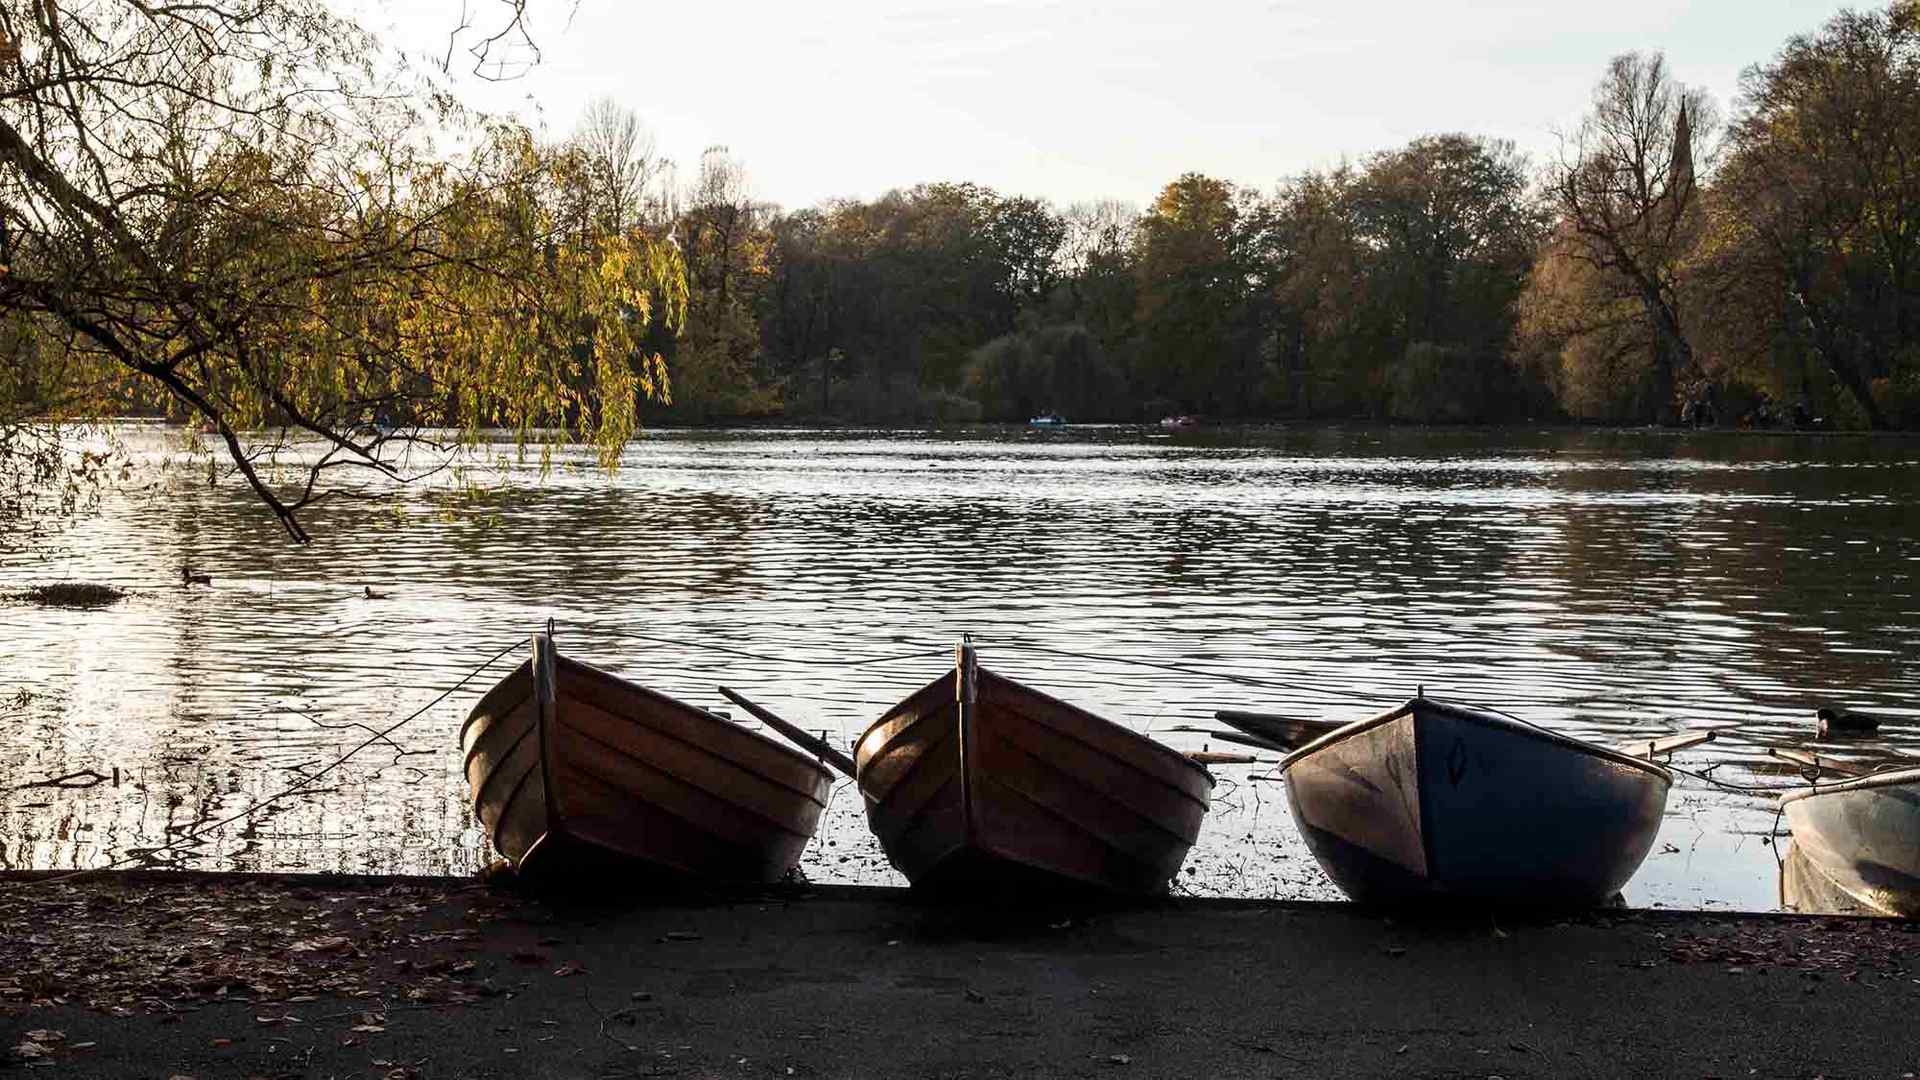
{"x":247,"y":216}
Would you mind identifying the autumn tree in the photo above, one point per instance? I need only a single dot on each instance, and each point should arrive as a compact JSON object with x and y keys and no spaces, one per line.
{"x":1098,"y":286}
{"x":1192,"y":258}
{"x":1627,"y":190}
{"x":901,"y":289}
{"x":1444,"y":230}
{"x":1817,"y":224}
{"x":724,"y":236}
{"x":238,"y":213}
{"x":1576,"y":335}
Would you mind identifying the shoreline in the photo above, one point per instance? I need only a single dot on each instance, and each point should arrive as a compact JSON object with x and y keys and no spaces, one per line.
{"x":802,"y":891}
{"x":1235,"y":426}
{"x":166,"y":973}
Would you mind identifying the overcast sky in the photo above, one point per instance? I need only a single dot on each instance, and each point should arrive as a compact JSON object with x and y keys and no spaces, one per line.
{"x":1080,"y":100}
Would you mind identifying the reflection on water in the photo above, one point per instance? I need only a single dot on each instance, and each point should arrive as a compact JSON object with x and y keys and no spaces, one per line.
{"x":1609,"y":585}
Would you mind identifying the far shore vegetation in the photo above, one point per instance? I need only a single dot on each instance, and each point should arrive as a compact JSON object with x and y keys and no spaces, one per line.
{"x":253,"y":218}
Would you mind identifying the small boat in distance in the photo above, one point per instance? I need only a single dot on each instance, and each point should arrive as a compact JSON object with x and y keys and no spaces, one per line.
{"x":976,"y":781}
{"x":1048,"y":420}
{"x":1860,"y":837}
{"x":1179,"y":423}
{"x":1438,"y":802}
{"x":575,"y":771}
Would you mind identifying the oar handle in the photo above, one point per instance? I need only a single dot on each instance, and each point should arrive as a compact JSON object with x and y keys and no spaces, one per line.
{"x":1815,"y":761}
{"x":1217,"y":757}
{"x":1254,"y":741}
{"x":1280,"y":732}
{"x":811,"y":743}
{"x":1647,"y":748}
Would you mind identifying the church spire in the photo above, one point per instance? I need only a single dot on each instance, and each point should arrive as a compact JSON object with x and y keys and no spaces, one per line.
{"x":1680,"y":178}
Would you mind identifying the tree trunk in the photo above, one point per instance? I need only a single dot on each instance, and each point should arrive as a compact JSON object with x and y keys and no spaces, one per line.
{"x":1827,"y":343}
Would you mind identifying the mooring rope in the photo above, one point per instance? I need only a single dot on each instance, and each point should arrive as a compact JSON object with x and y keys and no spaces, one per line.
{"x":303,"y":784}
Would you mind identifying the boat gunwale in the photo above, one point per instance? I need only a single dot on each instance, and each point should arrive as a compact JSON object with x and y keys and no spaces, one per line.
{"x":1139,"y":738}
{"x":1484,"y":718}
{"x":893,"y":711}
{"x":704,"y":714}
{"x":1868,"y":782}
{"x":475,"y":713}
{"x":466,"y":759}
{"x":1203,"y":799}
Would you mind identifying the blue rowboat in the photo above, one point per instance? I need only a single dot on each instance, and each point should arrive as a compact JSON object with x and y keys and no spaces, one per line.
{"x":1863,"y":837}
{"x":1048,"y":420}
{"x":1438,"y":802}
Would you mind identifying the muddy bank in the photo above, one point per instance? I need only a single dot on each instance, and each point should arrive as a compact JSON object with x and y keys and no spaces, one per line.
{"x":227,"y":975}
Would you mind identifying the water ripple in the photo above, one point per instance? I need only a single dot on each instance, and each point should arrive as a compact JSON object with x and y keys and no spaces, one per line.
{"x":1610,"y":585}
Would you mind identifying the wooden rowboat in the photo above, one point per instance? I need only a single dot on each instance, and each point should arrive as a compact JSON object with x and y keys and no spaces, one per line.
{"x":1434,"y":801}
{"x":573,"y":769}
{"x":1862,"y":836}
{"x":978,"y":781}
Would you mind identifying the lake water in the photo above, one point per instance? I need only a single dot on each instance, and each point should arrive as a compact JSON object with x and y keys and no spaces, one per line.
{"x":1610,"y":585}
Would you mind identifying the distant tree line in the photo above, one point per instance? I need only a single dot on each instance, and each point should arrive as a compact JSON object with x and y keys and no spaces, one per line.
{"x":1663,"y":267}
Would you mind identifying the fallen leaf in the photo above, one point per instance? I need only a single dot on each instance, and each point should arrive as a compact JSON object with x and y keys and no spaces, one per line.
{"x":29,"y":1051}
{"x":43,"y":1035}
{"x":571,"y":967}
{"x":1119,"y":1059}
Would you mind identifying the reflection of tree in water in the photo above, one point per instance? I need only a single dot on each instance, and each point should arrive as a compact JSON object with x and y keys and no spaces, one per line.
{"x":1740,"y":590}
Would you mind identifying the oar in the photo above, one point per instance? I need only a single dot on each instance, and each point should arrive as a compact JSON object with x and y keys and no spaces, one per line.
{"x":1647,"y":748}
{"x":1815,"y":761}
{"x":811,"y":743}
{"x":1254,"y":741}
{"x":1281,"y":732}
{"x":1216,"y":757}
